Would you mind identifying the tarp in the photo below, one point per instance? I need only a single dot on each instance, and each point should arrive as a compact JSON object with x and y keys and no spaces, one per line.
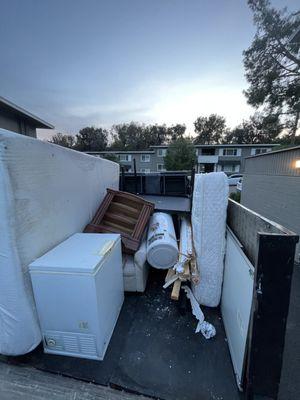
{"x":210,"y":199}
{"x":47,"y":193}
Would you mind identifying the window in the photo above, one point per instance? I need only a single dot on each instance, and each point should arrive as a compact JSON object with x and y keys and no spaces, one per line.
{"x":125,"y":157}
{"x":161,"y":152}
{"x":208,"y":151}
{"x":229,"y":168}
{"x":145,"y":157}
{"x":145,"y":170}
{"x":254,"y":152}
{"x":160,"y":167}
{"x":230,"y":152}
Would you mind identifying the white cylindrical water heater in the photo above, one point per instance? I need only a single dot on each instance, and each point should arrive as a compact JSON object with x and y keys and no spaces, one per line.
{"x":162,"y":249}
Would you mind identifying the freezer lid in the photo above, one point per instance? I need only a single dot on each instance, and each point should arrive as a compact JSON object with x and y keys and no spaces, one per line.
{"x":80,"y":253}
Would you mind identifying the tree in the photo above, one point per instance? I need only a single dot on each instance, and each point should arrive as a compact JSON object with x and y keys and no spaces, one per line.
{"x":181,"y":155}
{"x":134,"y":136}
{"x":273,"y":66}
{"x":91,"y":139}
{"x":210,"y":129}
{"x":177,"y":131}
{"x":258,"y":129}
{"x":63,"y":140}
{"x":128,"y":136}
{"x":285,"y":141}
{"x":111,"y":157}
{"x":156,"y":135}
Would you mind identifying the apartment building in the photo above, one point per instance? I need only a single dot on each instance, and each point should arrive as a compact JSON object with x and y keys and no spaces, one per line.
{"x":224,"y":157}
{"x":16,"y":119}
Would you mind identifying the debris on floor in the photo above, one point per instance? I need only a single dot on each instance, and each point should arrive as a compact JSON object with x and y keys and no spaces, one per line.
{"x":207,"y":329}
{"x":185,"y":268}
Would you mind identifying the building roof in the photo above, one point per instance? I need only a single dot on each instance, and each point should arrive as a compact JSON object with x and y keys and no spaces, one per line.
{"x":166,"y":146}
{"x":20,"y":112}
{"x":227,"y":145}
{"x":275,"y":151}
{"x":121,"y":152}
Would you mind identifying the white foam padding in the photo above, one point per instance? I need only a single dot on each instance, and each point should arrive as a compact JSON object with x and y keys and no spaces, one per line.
{"x":47,"y":193}
{"x":136,"y":269}
{"x":210,"y":199}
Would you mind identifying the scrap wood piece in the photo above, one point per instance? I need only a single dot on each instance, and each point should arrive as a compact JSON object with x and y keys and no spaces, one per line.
{"x":195,"y":277}
{"x":171,"y":280}
{"x":186,"y":271}
{"x":169,"y":274}
{"x":124,"y":213}
{"x":176,"y":290}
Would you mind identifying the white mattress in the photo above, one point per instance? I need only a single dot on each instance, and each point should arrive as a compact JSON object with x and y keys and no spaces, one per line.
{"x":210,"y":200}
{"x":47,"y":193}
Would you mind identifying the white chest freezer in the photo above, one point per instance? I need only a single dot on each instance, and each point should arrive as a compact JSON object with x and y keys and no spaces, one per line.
{"x":78,"y":290}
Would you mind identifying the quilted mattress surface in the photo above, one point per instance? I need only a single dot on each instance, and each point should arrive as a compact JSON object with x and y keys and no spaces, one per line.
{"x":210,"y":199}
{"x":47,"y":193}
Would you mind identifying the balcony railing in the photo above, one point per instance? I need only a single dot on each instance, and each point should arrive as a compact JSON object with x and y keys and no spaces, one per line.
{"x":208,"y":159}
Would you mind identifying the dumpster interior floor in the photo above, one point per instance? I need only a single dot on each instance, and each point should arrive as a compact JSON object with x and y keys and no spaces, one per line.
{"x":154,"y":351}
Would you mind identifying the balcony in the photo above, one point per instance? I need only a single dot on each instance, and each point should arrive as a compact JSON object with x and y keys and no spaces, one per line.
{"x":208,"y":159}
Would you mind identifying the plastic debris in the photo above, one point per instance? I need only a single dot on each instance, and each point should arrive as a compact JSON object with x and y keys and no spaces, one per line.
{"x":207,"y":329}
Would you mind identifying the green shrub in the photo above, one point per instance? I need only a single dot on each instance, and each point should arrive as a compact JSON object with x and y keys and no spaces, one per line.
{"x":236,"y":196}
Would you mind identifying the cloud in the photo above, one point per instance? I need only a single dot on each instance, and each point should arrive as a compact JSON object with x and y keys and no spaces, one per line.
{"x":184,"y":102}
{"x":159,"y":102}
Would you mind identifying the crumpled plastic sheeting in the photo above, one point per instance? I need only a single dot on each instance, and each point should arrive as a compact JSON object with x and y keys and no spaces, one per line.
{"x":210,"y":199}
{"x":207,"y":329}
{"x":47,"y":193}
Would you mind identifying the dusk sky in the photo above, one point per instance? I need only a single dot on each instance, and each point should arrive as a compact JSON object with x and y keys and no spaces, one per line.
{"x":92,"y":62}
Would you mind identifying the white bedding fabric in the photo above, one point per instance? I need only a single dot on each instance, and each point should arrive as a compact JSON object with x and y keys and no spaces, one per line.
{"x":47,"y":193}
{"x":210,"y":199}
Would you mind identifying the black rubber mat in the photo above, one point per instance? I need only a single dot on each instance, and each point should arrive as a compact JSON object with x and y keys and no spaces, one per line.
{"x":154,"y":351}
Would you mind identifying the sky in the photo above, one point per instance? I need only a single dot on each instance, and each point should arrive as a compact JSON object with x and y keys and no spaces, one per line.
{"x":78,"y":63}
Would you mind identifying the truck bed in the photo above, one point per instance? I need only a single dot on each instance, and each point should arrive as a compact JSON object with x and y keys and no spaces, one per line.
{"x":154,"y":351}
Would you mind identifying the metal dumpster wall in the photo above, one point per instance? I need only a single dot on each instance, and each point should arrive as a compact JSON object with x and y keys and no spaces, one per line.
{"x":271,"y":248}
